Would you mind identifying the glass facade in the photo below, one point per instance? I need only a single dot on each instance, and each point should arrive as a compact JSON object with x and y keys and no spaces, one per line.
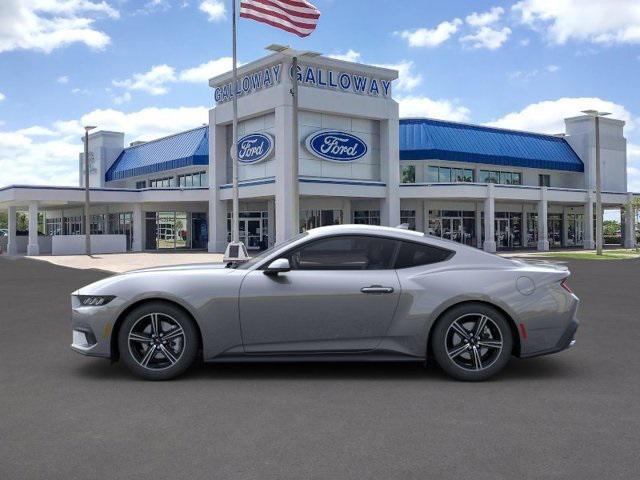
{"x":504,"y":178}
{"x":366,"y":217}
{"x":175,"y":230}
{"x":456,"y":225}
{"x":447,"y":174}
{"x":575,"y":229}
{"x":162,"y":182}
{"x":409,"y":217}
{"x":253,"y":229}
{"x":408,"y":174}
{"x":191,"y":180}
{"x":554,"y":229}
{"x":122,"y":224}
{"x":319,"y":218}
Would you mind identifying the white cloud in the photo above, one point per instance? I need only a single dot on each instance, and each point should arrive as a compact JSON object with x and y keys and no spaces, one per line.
{"x":203,"y":72}
{"x":527,"y":75}
{"x":154,"y":81}
{"x":214,"y":9}
{"x":486,"y":18}
{"x":2,"y":96}
{"x":120,"y":99}
{"x":552,"y":68}
{"x":424,"y":37}
{"x":63,"y":79}
{"x":420,"y":106}
{"x":487,"y":37}
{"x":45,"y":25}
{"x":407,"y":78}
{"x":349,"y":56}
{"x":525,"y":42}
{"x":595,"y":21}
{"x":548,"y":116}
{"x":48,"y":155}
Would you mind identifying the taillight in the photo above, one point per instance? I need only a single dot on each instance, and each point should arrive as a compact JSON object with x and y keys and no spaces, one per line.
{"x":565,"y":285}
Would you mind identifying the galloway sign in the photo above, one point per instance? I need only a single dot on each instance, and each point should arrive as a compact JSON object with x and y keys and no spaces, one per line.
{"x":328,"y":78}
{"x":248,"y":84}
{"x":255,"y":147}
{"x":336,"y":146}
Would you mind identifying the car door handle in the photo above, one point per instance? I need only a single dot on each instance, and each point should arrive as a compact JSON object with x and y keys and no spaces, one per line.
{"x":377,"y":289}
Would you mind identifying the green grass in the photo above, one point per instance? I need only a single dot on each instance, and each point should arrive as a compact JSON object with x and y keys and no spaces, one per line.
{"x":617,"y":254}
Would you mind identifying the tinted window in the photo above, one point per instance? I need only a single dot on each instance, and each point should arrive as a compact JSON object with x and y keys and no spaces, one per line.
{"x":348,"y":252}
{"x":415,"y":254}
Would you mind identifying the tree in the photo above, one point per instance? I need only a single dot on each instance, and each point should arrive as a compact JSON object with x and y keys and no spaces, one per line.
{"x":3,"y":220}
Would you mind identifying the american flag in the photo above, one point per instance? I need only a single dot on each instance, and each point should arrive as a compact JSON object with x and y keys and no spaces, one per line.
{"x":295,"y":16}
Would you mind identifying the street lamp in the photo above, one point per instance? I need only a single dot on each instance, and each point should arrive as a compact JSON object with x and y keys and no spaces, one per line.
{"x":294,"y":55}
{"x":87,"y":217}
{"x":596,"y":114}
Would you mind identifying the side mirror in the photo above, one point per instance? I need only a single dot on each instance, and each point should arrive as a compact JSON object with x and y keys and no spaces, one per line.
{"x":279,"y":265}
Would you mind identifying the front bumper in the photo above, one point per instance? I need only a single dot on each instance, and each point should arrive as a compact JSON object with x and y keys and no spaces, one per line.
{"x":92,"y":327}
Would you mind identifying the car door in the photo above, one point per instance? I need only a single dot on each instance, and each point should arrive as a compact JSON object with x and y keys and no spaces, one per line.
{"x":339,"y":296}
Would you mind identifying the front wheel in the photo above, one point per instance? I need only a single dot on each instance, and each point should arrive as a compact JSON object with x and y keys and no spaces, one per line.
{"x":158,"y":341}
{"x":472,"y":342}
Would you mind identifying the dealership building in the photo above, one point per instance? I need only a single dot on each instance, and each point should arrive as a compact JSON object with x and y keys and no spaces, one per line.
{"x":490,"y":188}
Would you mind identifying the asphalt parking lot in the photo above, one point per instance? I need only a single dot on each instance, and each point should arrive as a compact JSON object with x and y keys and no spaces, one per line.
{"x":63,"y":416}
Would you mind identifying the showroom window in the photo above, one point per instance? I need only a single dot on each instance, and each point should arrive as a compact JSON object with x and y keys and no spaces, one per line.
{"x":366,"y":217}
{"x":415,"y":254}
{"x":409,"y":217}
{"x":544,"y":180}
{"x":408,"y":174}
{"x":191,"y":180}
{"x":162,"y":182}
{"x":141,"y":184}
{"x":448,"y":175}
{"x":348,"y":252}
{"x":503,"y":178}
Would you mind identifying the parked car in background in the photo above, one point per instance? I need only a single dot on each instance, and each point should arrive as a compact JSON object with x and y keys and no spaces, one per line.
{"x":340,"y":293}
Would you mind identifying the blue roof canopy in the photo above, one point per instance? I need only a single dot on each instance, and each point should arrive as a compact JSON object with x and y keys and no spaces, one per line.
{"x":427,"y":139}
{"x":183,"y":149}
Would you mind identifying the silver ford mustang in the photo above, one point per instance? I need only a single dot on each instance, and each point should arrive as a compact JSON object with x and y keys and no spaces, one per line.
{"x":340,"y":293}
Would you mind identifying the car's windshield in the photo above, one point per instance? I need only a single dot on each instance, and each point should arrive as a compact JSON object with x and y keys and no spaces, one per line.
{"x":267,"y":252}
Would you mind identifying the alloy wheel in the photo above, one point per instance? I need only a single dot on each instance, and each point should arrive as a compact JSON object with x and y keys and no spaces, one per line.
{"x":473,"y":341}
{"x":156,"y":341}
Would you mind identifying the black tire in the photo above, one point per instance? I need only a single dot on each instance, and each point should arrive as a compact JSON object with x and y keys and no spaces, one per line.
{"x":459,"y":356}
{"x":171,"y":356}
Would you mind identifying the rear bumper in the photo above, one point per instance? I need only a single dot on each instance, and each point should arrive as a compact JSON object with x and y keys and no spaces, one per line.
{"x":554,"y":340}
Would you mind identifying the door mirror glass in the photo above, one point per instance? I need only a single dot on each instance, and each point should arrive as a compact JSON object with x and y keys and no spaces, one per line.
{"x":278,"y":266}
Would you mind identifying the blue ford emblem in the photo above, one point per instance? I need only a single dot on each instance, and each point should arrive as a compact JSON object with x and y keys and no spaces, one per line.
{"x":336,"y":146}
{"x":255,"y":147}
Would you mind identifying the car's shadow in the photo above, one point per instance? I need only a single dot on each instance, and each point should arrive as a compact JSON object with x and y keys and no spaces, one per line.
{"x":516,"y":370}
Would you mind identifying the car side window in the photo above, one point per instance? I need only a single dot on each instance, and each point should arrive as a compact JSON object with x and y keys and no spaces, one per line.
{"x":415,"y":254}
{"x":345,"y":252}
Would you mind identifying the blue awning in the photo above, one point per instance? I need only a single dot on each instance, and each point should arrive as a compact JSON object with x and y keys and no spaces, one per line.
{"x":183,"y":149}
{"x":427,"y":139}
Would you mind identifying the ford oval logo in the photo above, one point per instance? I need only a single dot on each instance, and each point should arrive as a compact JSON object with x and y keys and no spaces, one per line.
{"x":255,"y":147}
{"x":336,"y":146}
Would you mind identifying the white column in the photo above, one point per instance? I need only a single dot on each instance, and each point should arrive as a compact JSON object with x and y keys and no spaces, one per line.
{"x":218,"y":209}
{"x":543,"y":240}
{"x":478,"y":225}
{"x":629,"y":224}
{"x":346,"y":211}
{"x":589,"y":242}
{"x":390,"y":173}
{"x":33,"y":248}
{"x":12,"y":246}
{"x":489,"y":244}
{"x":284,"y":199}
{"x":425,"y":216}
{"x":271,"y":224}
{"x":138,"y":220}
{"x":565,"y":227}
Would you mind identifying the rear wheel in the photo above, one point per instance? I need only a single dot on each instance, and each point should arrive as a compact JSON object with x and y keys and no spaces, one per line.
{"x":472,"y":342}
{"x":158,"y":341}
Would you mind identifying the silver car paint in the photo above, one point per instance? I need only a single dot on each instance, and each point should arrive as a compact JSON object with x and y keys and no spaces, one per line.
{"x":245,"y":314}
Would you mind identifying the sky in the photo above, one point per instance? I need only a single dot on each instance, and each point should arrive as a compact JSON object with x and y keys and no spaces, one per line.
{"x":141,"y":66}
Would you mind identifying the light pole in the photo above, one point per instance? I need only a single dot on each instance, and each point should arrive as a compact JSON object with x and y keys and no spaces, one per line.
{"x":87,"y":217}
{"x":596,"y":114}
{"x":295,"y":146}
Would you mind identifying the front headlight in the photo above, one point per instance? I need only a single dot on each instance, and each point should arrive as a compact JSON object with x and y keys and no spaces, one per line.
{"x":94,"y":300}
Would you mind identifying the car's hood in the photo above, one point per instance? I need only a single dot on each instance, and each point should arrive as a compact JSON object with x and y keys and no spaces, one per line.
{"x":180,"y":268}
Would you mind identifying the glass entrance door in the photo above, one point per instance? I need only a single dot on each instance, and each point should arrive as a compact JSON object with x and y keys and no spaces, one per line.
{"x":504,"y":237}
{"x":452,"y":229}
{"x":251,"y":233}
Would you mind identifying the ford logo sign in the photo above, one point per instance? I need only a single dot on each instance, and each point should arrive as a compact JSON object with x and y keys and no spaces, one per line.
{"x":336,"y":146}
{"x":255,"y":147}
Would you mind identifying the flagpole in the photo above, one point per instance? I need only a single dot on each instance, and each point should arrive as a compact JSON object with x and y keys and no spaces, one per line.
{"x":235,"y":233}
{"x":295,"y":187}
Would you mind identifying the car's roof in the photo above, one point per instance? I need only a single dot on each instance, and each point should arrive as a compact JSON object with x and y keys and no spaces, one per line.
{"x":365,"y":230}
